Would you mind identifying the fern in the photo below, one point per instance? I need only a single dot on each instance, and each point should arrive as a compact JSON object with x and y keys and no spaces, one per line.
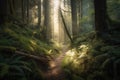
{"x":14,"y":66}
{"x":4,"y":69}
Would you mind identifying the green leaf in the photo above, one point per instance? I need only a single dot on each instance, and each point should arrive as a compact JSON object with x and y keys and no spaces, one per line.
{"x":4,"y":70}
{"x":26,"y":68}
{"x":17,"y":69}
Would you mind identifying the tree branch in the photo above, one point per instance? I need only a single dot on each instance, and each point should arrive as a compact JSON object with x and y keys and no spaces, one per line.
{"x":65,"y":26}
{"x":65,"y":10}
{"x":42,"y":59}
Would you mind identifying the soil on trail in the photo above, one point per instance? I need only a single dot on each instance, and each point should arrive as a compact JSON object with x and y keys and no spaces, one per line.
{"x":55,"y":71}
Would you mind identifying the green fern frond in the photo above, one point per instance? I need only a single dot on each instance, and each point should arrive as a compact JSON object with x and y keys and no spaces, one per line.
{"x":26,"y":68}
{"x":16,"y":69}
{"x":4,"y":69}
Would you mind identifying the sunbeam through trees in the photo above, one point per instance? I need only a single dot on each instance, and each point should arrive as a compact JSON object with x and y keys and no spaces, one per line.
{"x":59,"y":39}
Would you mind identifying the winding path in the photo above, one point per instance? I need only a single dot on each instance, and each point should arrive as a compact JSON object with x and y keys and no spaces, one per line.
{"x":55,"y":71}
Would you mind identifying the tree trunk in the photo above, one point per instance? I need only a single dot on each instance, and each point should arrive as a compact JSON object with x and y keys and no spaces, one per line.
{"x":23,"y":10}
{"x":28,"y":5}
{"x":65,"y":26}
{"x":11,"y":6}
{"x":3,"y":11}
{"x":79,"y":10}
{"x":74,"y":17}
{"x":100,"y":16}
{"x":39,"y":13}
{"x":48,"y":21}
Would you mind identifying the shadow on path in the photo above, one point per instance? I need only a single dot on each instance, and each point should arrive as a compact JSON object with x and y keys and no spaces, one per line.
{"x":55,"y":71}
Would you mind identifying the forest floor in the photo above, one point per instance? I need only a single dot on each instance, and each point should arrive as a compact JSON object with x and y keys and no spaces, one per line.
{"x":55,"y":71}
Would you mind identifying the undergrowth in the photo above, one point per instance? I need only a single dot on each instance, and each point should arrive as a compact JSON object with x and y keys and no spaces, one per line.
{"x":16,"y":67}
{"x":28,"y":40}
{"x":24,"y":39}
{"x":92,"y":58}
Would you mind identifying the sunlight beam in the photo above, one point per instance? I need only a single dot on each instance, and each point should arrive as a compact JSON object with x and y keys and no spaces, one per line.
{"x":56,"y":20}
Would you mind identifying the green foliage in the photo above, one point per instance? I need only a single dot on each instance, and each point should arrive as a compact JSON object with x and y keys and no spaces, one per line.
{"x":7,"y":49}
{"x":93,"y":58}
{"x":25,"y":39}
{"x":112,"y":50}
{"x":77,"y":77}
{"x":13,"y":68}
{"x":96,"y":76}
{"x":37,"y":73}
{"x":114,"y":9}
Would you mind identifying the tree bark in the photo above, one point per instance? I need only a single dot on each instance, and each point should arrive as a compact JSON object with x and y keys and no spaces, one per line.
{"x":43,"y":59}
{"x":28,"y":6}
{"x":48,"y":21}
{"x":74,"y":17}
{"x":100,"y":16}
{"x":65,"y":26}
{"x":39,"y":13}
{"x":79,"y":3}
{"x":23,"y":10}
{"x":3,"y":11}
{"x":12,"y":7}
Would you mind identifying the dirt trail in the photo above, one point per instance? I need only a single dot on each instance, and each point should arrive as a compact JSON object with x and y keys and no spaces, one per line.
{"x":55,"y":71}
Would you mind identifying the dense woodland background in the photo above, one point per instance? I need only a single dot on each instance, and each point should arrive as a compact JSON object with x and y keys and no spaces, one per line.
{"x":59,"y":39}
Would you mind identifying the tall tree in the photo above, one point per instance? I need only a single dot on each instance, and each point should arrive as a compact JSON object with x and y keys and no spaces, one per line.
{"x":23,"y":10}
{"x":74,"y":17}
{"x":48,"y":21}
{"x":28,"y":6}
{"x":3,"y":11}
{"x":11,"y":7}
{"x":100,"y":16}
{"x":39,"y":12}
{"x":79,"y":14}
{"x":65,"y":27}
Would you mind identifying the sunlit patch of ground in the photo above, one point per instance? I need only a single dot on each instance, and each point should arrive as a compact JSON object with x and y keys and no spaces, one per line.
{"x":76,"y":58}
{"x":55,"y":71}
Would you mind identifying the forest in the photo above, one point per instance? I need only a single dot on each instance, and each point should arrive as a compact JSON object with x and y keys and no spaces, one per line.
{"x":59,"y":39}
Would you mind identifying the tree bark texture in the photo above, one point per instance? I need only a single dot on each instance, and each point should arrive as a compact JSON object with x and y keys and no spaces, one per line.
{"x":100,"y":16}
{"x":48,"y":22}
{"x":74,"y":17}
